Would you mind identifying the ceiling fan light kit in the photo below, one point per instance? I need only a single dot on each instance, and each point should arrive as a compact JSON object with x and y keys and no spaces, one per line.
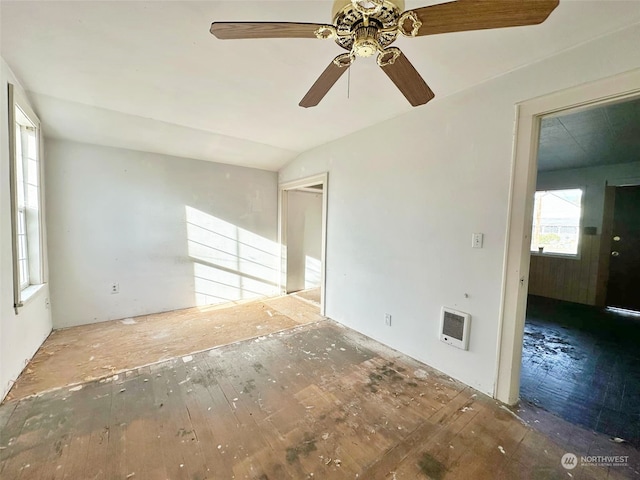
{"x":368,"y":27}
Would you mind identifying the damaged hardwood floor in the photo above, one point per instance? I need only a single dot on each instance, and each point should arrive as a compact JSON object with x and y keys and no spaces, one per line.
{"x":79,"y":354}
{"x":316,"y":401}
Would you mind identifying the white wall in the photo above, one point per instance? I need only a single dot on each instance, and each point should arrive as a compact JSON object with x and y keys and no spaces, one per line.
{"x":593,"y":180}
{"x":304,"y":240}
{"x":172,"y":232}
{"x":406,"y":195}
{"x":20,"y":335}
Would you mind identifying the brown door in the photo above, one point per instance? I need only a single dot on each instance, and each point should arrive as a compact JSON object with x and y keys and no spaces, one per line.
{"x":623,"y":289}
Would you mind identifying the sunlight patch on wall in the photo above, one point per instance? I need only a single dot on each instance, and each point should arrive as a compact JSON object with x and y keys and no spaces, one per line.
{"x":229,"y":262}
{"x":312,"y":272}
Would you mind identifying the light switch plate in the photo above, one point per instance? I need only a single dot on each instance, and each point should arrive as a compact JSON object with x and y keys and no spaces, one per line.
{"x":477,"y":240}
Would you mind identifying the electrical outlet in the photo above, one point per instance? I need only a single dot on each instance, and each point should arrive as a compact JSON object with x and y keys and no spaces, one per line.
{"x":387,"y":319}
{"x":115,"y":288}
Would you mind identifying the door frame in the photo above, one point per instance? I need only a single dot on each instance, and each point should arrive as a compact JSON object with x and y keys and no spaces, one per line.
{"x":524,"y":166}
{"x":283,"y":189}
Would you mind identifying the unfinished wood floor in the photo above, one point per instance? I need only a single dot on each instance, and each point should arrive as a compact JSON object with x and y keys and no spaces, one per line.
{"x":79,"y":354}
{"x":312,"y":295}
{"x":314,"y":402}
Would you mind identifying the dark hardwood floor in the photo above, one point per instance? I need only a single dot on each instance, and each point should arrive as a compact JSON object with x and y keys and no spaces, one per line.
{"x":582,"y":364}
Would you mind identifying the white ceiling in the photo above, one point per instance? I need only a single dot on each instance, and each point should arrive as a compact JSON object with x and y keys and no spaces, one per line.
{"x":149,"y":75}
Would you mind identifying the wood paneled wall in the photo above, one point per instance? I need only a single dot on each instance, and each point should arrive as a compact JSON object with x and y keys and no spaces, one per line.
{"x":569,"y":279}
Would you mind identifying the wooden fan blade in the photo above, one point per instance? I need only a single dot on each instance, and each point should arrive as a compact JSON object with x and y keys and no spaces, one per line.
{"x":408,"y":81}
{"x":323,"y":84}
{"x":237,"y":30}
{"x":466,"y":15}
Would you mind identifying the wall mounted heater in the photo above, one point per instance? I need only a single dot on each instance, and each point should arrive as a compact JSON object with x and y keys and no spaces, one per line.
{"x":454,"y":328}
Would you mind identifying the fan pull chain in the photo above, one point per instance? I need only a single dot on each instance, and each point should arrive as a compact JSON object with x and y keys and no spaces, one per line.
{"x":348,"y":83}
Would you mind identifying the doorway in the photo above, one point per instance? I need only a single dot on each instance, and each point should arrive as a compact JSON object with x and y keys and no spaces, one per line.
{"x":302,"y":229}
{"x":579,"y":359}
{"x":521,"y":201}
{"x":304,"y":238}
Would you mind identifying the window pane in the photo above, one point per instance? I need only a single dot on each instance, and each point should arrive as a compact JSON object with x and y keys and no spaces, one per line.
{"x":19,"y":167}
{"x":21,"y":222}
{"x":24,"y":273}
{"x":32,"y":197}
{"x":32,"y":172}
{"x":23,"y":251}
{"x":556,"y":221}
{"x":31,"y":142}
{"x":23,"y":262}
{"x":27,"y":179}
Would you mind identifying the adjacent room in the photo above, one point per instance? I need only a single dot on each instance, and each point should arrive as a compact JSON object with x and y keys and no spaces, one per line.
{"x":239,"y":243}
{"x":580,"y":359}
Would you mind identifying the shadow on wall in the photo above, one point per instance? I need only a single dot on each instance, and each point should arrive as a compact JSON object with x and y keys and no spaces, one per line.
{"x":312,"y":275}
{"x":229,"y":262}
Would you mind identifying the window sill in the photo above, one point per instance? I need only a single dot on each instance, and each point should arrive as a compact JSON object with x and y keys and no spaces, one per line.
{"x":29,"y":293}
{"x":568,"y":256}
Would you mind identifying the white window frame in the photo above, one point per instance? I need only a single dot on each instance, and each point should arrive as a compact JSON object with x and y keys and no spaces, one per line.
{"x":546,"y":253}
{"x":26,"y":212}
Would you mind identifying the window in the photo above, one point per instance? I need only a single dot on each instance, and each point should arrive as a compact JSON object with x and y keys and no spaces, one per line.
{"x":25,"y":189}
{"x":556,"y":221}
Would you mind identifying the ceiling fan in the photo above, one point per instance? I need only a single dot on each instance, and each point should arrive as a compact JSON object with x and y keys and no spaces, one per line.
{"x":367,"y":27}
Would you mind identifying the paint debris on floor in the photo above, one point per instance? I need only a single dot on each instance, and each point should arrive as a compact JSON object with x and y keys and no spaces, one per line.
{"x":80,"y":354}
{"x":317,"y":401}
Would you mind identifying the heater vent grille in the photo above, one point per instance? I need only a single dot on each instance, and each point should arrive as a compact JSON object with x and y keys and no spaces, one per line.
{"x":454,"y":328}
